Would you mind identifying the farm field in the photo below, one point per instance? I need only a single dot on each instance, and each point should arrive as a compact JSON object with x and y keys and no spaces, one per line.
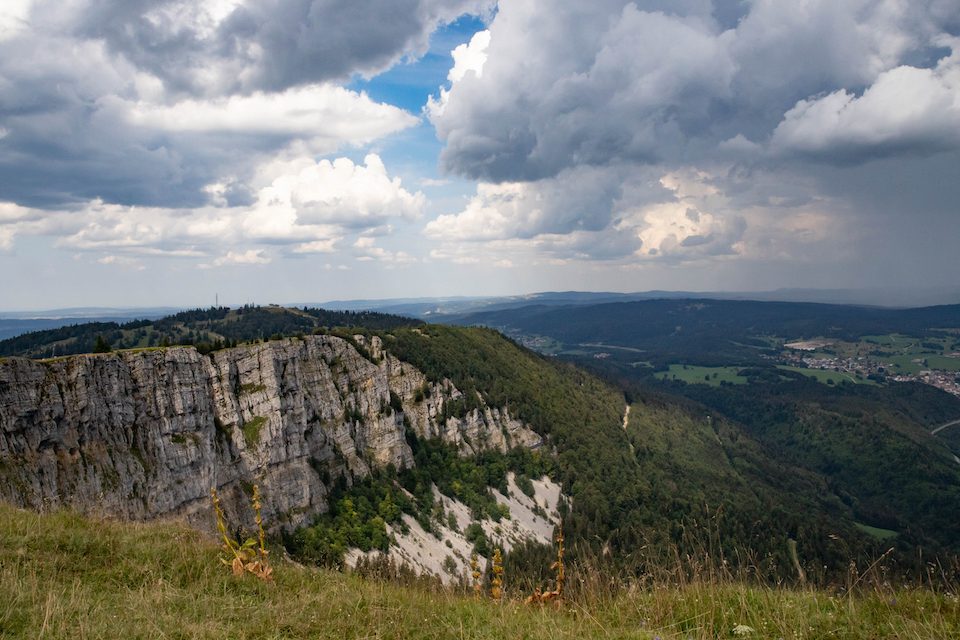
{"x":713,"y":376}
{"x":827,"y":376}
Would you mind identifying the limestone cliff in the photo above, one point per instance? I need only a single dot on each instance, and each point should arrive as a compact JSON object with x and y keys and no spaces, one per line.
{"x":145,"y":434}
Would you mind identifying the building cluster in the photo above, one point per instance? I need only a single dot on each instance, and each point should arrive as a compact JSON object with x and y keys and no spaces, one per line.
{"x":864,"y":366}
{"x":949,"y":381}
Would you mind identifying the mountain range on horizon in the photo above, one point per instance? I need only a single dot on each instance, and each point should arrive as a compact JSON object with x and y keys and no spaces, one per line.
{"x":421,"y":306}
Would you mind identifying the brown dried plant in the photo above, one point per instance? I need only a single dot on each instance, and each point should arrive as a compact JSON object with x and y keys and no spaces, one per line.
{"x":496,"y":583}
{"x":475,"y":572}
{"x":249,"y":556}
{"x":542,"y":597}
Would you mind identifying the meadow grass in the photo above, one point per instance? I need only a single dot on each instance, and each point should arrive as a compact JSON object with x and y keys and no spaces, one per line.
{"x":692,"y":374}
{"x":825,"y":375}
{"x":65,"y":576}
{"x":876,"y":532}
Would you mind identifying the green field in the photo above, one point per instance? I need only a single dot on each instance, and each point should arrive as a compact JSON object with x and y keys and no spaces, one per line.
{"x":877,"y":532}
{"x":692,"y":374}
{"x":906,"y":364}
{"x":63,"y":576}
{"x":826,"y":376}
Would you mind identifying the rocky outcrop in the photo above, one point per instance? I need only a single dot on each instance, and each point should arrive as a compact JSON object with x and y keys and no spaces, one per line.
{"x":444,"y":552}
{"x":145,"y":434}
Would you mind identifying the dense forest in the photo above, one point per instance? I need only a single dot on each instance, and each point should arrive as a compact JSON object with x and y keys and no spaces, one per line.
{"x":208,"y":329}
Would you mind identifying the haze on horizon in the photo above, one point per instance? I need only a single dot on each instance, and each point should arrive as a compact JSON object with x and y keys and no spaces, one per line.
{"x":160,"y":152}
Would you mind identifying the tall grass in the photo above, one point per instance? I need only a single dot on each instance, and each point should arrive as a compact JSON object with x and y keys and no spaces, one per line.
{"x":65,"y":576}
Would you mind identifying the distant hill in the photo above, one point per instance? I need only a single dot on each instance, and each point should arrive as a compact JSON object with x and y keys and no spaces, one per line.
{"x":207,"y":328}
{"x":20,"y":322}
{"x":710,"y":330}
{"x":446,"y":309}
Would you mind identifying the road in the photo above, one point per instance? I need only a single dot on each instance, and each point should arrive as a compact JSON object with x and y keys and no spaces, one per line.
{"x":944,"y":426}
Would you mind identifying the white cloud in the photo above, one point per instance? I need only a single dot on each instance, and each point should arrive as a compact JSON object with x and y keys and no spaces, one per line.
{"x":468,"y":57}
{"x":365,"y":250}
{"x":328,"y":245}
{"x":184,"y":16}
{"x":297,"y":203}
{"x":11,"y":212}
{"x":248,"y":257}
{"x":905,"y":108}
{"x":490,"y":215}
{"x":577,"y":199}
{"x":122,"y":261}
{"x":560,"y":83}
{"x":433,"y":182}
{"x":340,"y":193}
{"x":14,"y":15}
{"x":331,"y":114}
{"x":675,"y":230}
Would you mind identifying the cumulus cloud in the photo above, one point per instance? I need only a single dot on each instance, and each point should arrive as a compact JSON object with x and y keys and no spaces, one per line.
{"x":578,"y":199}
{"x":122,"y":261}
{"x":559,"y":85}
{"x":339,"y":192}
{"x":565,"y":86}
{"x":248,"y":257}
{"x":905,"y":109}
{"x":298,"y":204}
{"x":365,"y":249}
{"x":467,"y":57}
{"x":592,"y":213}
{"x":226,"y":46}
{"x":13,"y":17}
{"x":59,"y":115}
{"x":619,"y":92}
{"x":147,"y":103}
{"x":326,"y":112}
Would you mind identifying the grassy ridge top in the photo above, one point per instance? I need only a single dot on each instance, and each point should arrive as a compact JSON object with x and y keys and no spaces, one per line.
{"x":64,"y":576}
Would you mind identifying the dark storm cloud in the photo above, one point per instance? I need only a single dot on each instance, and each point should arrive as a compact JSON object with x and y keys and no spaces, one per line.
{"x":648,"y":86}
{"x":752,"y":106}
{"x":266,"y":44}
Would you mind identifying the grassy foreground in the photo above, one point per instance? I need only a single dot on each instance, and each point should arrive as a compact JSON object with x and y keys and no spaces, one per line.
{"x":64,"y":576}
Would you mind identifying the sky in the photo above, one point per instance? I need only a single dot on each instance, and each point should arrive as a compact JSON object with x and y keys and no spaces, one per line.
{"x":177,"y":152}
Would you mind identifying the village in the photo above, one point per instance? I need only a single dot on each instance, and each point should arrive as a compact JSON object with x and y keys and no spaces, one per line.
{"x":873,"y":368}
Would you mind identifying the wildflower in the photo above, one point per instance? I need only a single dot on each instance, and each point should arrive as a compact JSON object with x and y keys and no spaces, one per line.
{"x":742,"y":630}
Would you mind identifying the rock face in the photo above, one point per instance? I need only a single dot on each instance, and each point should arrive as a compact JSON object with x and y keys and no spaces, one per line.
{"x":145,"y":434}
{"x":445,"y":551}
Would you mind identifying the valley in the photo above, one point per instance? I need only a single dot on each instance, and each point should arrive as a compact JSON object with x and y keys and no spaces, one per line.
{"x":415,"y":445}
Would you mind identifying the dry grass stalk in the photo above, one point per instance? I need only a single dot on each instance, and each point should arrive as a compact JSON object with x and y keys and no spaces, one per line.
{"x":248,"y":557}
{"x":541,"y":597}
{"x":496,"y":583}
{"x":475,"y":572}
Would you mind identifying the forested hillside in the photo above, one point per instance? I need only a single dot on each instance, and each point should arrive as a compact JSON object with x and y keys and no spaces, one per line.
{"x":676,"y":476}
{"x":740,"y":472}
{"x":710,"y":331}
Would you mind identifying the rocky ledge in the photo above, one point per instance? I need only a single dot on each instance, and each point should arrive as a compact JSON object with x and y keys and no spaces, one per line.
{"x":145,"y":434}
